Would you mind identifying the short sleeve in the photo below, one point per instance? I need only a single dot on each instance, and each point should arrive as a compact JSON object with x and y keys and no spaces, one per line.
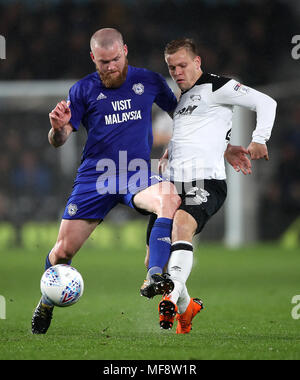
{"x":165,"y":97}
{"x":77,"y":105}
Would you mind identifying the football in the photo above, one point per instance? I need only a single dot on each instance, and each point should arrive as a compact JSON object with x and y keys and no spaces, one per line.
{"x":62,"y":285}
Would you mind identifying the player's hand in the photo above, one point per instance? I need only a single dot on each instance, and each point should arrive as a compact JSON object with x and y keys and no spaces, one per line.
{"x":258,"y":151}
{"x":162,"y":163}
{"x":60,"y":115}
{"x":236,"y":156}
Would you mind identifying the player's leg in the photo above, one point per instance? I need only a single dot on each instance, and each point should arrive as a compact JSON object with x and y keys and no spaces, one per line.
{"x":195,"y":211}
{"x":151,"y":222}
{"x":85,"y":209}
{"x":157,"y":284}
{"x":186,"y":307}
{"x":181,"y":259}
{"x":162,"y":200}
{"x":72,"y":235}
{"x":179,"y":267}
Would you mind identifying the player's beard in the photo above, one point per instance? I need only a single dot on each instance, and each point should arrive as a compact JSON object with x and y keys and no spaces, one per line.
{"x":115,"y":81}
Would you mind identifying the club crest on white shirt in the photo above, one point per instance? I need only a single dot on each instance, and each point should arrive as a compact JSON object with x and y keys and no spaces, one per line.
{"x":195,"y":98}
{"x":138,"y":88}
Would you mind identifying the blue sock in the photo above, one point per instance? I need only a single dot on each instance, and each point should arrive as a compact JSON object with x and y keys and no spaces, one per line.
{"x":159,"y":245}
{"x":48,"y":264}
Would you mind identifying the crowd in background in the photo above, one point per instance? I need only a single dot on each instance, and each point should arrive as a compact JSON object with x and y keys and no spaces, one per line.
{"x":50,"y":40}
{"x":280,"y":202}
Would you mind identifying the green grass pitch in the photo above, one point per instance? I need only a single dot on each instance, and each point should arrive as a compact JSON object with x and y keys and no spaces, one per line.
{"x":247,"y":294}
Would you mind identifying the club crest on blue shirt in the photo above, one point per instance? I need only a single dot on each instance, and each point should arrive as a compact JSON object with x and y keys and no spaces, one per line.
{"x":138,"y":88}
{"x":72,"y":209}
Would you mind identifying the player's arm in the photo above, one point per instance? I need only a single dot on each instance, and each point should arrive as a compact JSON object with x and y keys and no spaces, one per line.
{"x":61,"y":127}
{"x":258,"y":150}
{"x":234,"y":93}
{"x":165,"y":98}
{"x":163,"y":162}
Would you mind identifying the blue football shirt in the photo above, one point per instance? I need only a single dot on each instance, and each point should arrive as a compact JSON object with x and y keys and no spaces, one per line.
{"x":118,"y":119}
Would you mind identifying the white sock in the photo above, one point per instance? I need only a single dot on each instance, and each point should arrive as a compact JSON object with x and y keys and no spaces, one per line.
{"x":179,"y":267}
{"x":183,"y":300}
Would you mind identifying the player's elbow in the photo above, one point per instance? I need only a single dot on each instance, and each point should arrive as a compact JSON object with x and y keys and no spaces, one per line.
{"x":57,"y":139}
{"x":54,"y":143}
{"x":270,"y":103}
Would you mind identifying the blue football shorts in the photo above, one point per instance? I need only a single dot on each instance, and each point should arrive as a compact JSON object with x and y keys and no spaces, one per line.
{"x":93,"y":196}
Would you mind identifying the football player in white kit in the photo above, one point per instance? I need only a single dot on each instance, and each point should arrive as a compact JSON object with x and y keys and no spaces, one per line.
{"x":202,"y":123}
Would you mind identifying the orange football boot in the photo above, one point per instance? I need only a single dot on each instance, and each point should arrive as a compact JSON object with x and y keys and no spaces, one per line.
{"x":185,"y":320}
{"x":167,"y":311}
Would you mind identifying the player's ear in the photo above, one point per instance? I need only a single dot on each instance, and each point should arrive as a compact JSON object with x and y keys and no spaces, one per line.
{"x":197,"y":61}
{"x":125,"y":50}
{"x":92,"y":56}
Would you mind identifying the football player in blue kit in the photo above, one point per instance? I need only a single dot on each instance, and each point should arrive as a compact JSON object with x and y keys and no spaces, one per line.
{"x":114,"y":104}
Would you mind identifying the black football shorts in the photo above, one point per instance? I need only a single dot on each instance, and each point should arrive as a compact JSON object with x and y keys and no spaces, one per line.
{"x":200,"y":198}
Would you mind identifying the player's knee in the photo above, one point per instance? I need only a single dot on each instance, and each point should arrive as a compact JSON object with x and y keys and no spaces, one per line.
{"x":175,"y":202}
{"x":169,"y":204}
{"x":183,"y":231}
{"x":168,"y":200}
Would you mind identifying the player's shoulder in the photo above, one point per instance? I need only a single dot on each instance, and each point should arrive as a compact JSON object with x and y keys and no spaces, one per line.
{"x":87,"y":80}
{"x":146,"y":74}
{"x":84,"y":86}
{"x":217,"y":81}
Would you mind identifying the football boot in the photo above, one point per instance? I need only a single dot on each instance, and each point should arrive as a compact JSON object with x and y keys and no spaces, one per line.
{"x":184,"y":325}
{"x":167,"y":311}
{"x":157,"y":284}
{"x":41,"y":318}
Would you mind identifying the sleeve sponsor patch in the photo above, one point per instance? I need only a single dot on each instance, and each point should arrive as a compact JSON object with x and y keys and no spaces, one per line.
{"x":241,"y":88}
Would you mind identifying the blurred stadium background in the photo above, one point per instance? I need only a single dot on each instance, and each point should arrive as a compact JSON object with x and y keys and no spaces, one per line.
{"x":47,"y":50}
{"x":247,"y":291}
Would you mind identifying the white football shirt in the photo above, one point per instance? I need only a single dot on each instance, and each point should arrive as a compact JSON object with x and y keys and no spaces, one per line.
{"x":202,"y":124}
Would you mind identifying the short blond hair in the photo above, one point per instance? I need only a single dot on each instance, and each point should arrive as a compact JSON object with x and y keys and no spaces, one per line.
{"x":181,"y":43}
